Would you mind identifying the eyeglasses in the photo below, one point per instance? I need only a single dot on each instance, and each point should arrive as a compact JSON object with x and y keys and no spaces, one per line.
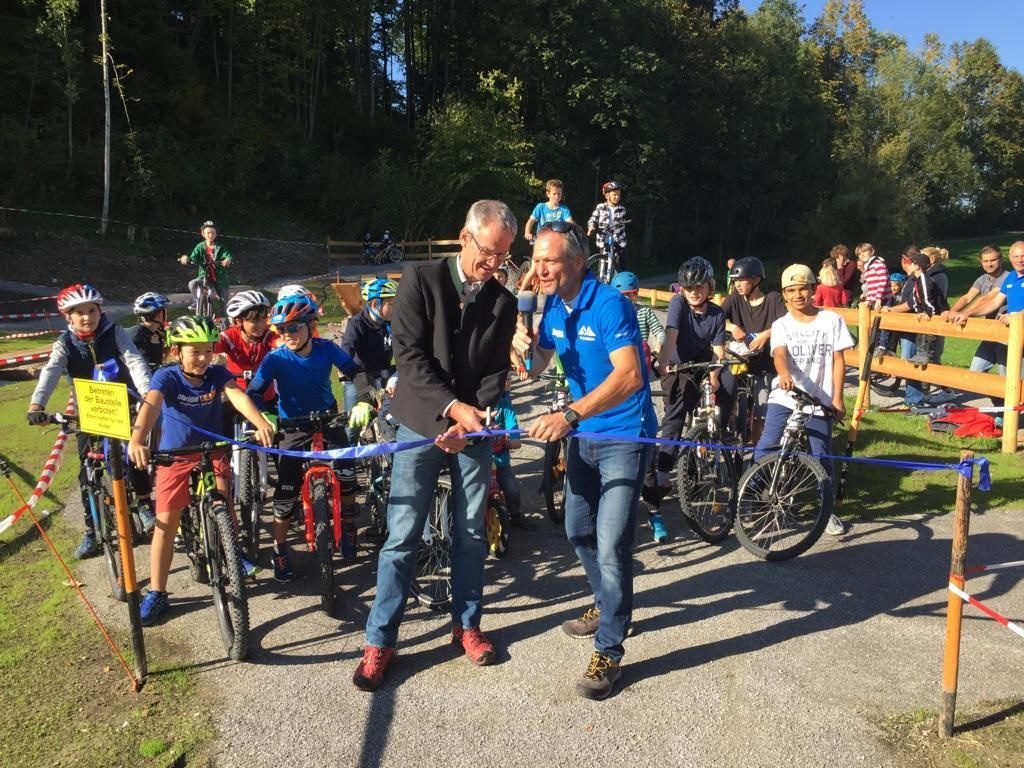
{"x":488,"y":254}
{"x":567,"y":228}
{"x":292,"y":328}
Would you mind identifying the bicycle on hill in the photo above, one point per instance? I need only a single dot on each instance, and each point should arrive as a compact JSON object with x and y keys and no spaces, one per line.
{"x":211,"y":546}
{"x":100,"y":496}
{"x":785,"y":499}
{"x":386,"y":251}
{"x":329,"y":525}
{"x":605,"y":263}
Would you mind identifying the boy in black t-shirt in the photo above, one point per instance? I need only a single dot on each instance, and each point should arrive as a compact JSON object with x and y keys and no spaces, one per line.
{"x":749,"y":314}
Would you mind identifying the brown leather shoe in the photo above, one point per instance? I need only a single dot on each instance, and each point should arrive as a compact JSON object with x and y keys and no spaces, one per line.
{"x":585,"y":626}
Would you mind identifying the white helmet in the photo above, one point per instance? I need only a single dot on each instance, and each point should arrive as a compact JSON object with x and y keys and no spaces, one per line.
{"x":242,"y":302}
{"x":79,"y":293}
{"x":295,"y":290}
{"x":150,"y":302}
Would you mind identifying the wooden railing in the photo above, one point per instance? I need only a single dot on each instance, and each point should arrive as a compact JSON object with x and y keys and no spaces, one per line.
{"x":352,"y":250}
{"x":1008,"y":387}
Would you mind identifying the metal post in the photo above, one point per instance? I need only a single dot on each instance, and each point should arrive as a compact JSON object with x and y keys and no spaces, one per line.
{"x":124,"y":539}
{"x":955,"y":606}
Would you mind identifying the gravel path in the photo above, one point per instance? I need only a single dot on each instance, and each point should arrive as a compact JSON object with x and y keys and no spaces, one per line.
{"x":734,"y":662}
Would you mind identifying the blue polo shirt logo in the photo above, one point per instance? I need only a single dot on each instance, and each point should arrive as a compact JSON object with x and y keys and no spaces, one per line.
{"x":587,"y":333}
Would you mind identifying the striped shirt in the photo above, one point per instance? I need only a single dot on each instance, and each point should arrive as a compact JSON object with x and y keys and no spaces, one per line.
{"x":649,"y":323}
{"x":874,"y":279}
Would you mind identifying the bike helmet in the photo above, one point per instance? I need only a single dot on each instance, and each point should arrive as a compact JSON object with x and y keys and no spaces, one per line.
{"x":748,"y":266}
{"x":897,"y":277}
{"x":242,"y":302}
{"x":192,"y":329}
{"x":295,"y":290}
{"x":696,"y":271}
{"x":293,"y":309}
{"x":79,"y":293}
{"x":626,"y":281}
{"x":209,"y":223}
{"x":150,"y":302}
{"x":610,"y":186}
{"x":379,"y":289}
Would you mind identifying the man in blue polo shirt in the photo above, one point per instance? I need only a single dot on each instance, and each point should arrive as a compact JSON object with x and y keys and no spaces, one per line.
{"x":593,"y":329}
{"x":1010,"y":293}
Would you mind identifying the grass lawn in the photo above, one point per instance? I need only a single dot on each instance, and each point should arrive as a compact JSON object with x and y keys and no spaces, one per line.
{"x":69,"y":699}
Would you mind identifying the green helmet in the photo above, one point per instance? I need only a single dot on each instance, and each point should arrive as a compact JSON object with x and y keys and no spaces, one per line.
{"x":190,"y":329}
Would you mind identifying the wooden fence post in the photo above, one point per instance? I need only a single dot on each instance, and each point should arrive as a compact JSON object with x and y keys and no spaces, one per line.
{"x":864,"y":342}
{"x":1014,"y":350}
{"x":955,"y":606}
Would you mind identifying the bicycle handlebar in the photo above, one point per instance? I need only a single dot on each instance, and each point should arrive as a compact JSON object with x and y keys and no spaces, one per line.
{"x":170,"y":455}
{"x":805,"y":400}
{"x":315,"y":419}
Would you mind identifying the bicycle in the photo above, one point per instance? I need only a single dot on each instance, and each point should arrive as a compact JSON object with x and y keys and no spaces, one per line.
{"x":385,"y":251}
{"x":496,"y":518}
{"x":100,"y":496}
{"x":211,"y":546}
{"x":378,"y":468}
{"x":432,"y":582}
{"x":785,"y":499}
{"x":605,"y":262}
{"x":556,"y":453}
{"x":328,"y":526}
{"x":706,"y":473}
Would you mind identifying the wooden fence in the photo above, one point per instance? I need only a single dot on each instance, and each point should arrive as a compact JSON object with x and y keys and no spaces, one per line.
{"x":351,"y":251}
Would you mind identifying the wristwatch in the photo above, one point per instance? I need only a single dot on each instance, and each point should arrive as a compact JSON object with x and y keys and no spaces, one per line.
{"x":571,"y":416}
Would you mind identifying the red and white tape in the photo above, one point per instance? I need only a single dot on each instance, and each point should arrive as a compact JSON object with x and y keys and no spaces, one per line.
{"x":29,"y":335}
{"x":996,"y":567}
{"x":33,"y":298}
{"x":45,"y":477}
{"x":7,"y":362}
{"x":1010,"y":625}
{"x":28,"y":315}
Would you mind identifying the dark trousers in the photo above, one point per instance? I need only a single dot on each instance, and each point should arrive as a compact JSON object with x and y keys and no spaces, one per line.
{"x":682,"y":393}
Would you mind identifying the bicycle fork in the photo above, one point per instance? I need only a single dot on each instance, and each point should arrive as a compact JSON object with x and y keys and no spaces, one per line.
{"x":334,"y":488}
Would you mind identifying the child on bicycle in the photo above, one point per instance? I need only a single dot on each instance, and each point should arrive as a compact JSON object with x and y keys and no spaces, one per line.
{"x":301,"y":369}
{"x":188,"y":396}
{"x":610,"y":216}
{"x":92,"y":348}
{"x":367,"y":341}
{"x":628,"y":285}
{"x":696,"y":334}
{"x":149,"y":335}
{"x":749,"y":315}
{"x":807,"y":348}
{"x":552,"y":210}
{"x":211,"y":261}
{"x":245,"y":343}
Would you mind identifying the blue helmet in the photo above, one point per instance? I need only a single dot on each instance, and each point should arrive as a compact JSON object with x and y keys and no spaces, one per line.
{"x":293,"y":309}
{"x":626,"y":281}
{"x":150,"y":302}
{"x":897,"y":277}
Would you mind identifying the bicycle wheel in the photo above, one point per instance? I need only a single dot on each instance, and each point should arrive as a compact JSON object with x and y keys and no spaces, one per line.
{"x":377,"y":498}
{"x":108,"y":539}
{"x":227,"y":581}
{"x":250,"y":503}
{"x":323,"y":541}
{"x":783,"y":505}
{"x":553,"y":483}
{"x":496,"y":528}
{"x":395,"y":253}
{"x":706,"y":484}
{"x":192,"y":540}
{"x":432,"y":584}
{"x":204,"y":306}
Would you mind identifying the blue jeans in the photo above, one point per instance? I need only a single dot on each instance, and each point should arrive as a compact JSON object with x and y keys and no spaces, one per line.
{"x":413,"y":480}
{"x":603,"y":479}
{"x":819,"y":435}
{"x":914,"y":394}
{"x":989,"y":355}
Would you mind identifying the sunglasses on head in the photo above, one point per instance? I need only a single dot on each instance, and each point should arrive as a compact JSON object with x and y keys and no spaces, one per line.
{"x":566,"y":228}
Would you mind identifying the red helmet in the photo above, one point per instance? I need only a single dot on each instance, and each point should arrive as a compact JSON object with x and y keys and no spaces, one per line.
{"x":610,"y":186}
{"x":79,"y":293}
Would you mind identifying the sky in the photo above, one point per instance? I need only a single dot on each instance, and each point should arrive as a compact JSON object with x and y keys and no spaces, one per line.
{"x":1001,"y":22}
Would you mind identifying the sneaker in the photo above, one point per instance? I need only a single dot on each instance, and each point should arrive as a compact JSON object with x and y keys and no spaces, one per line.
{"x":478,"y":648}
{"x":658,"y":529}
{"x":940,"y":396}
{"x":146,"y":515}
{"x":835,"y":527}
{"x":153,"y":606}
{"x":282,"y":567}
{"x":655,"y":494}
{"x":599,"y":679}
{"x":88,"y":548}
{"x":370,"y":672}
{"x":585,"y":625}
{"x":920,"y":358}
{"x":249,"y":568}
{"x":879,"y":352}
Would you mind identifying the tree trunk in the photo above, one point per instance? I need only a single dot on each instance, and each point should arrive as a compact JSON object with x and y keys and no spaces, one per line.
{"x":31,"y":89}
{"x":71,"y":145}
{"x":231,"y":59}
{"x":213,"y":47}
{"x":105,"y":215}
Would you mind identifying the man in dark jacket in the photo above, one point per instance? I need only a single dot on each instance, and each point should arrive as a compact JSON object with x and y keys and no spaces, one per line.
{"x":452,"y":332}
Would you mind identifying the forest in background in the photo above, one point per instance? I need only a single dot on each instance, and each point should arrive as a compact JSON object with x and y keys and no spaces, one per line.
{"x":732,"y":132}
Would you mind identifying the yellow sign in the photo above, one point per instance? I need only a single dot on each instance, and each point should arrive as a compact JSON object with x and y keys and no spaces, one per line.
{"x":103,"y":408}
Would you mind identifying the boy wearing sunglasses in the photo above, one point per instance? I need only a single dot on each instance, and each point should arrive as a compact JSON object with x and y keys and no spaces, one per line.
{"x":301,"y":370}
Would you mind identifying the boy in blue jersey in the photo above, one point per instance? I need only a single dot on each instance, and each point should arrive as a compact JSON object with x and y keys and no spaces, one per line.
{"x":552,"y":210}
{"x":301,"y":370}
{"x":188,"y":396}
